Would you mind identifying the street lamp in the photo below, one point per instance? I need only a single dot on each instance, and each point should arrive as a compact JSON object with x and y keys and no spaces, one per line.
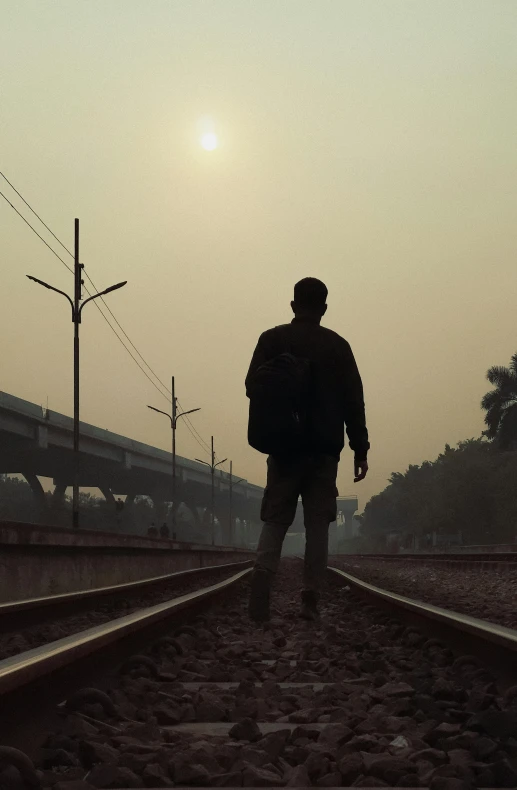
{"x":212,"y":466}
{"x":174,"y":421}
{"x":241,"y":480}
{"x":77,"y":309}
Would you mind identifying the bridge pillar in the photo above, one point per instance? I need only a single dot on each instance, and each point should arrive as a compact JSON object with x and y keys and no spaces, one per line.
{"x":348,"y":526}
{"x":126,"y":517}
{"x":107,"y":494}
{"x":130,"y":501}
{"x":37,"y":492}
{"x":346,"y":508}
{"x":174,"y":509}
{"x":232,"y":532}
{"x":191,"y":507}
{"x":159,"y":509}
{"x":58,"y":495}
{"x":58,"y":514}
{"x":240,"y":531}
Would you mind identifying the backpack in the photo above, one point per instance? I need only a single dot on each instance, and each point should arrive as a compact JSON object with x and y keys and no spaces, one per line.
{"x":279,"y":395}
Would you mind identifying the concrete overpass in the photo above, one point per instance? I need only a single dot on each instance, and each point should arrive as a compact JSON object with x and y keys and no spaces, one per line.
{"x":39,"y":443}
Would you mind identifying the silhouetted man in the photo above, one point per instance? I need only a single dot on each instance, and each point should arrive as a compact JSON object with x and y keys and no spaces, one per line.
{"x":304,"y":386}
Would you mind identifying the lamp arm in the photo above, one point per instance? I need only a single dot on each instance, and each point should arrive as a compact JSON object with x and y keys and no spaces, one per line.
{"x":182,"y":414}
{"x":51,"y":288}
{"x":161,"y":412}
{"x":102,"y":293}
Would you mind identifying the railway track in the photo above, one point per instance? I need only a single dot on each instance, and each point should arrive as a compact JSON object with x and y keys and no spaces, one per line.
{"x":371,"y":695}
{"x":503,"y":561}
{"x":475,"y":591}
{"x":16,"y":615}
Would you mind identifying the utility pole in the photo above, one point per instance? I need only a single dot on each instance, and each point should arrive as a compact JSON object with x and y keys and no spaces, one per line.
{"x":241,"y":480}
{"x":231,"y":515}
{"x":173,"y":422}
{"x":77,"y":309}
{"x":174,"y":417}
{"x":212,"y":466}
{"x":78,"y":281}
{"x":212,"y":517}
{"x":212,"y":511}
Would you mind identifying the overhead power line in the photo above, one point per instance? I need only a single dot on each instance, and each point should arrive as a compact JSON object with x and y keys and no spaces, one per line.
{"x":52,"y":250}
{"x":38,"y":216}
{"x":194,"y":431}
{"x":167,"y":394}
{"x":36,"y":232}
{"x":70,"y":270}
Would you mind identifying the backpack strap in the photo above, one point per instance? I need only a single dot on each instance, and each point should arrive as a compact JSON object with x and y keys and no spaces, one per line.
{"x":286,"y":343}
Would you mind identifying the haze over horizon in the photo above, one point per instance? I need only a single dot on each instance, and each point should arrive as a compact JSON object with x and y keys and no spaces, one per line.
{"x":369,"y":144}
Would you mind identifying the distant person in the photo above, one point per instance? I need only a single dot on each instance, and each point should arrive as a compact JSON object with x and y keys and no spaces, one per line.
{"x":152,"y":532}
{"x":304,"y":385}
{"x":164,"y":530}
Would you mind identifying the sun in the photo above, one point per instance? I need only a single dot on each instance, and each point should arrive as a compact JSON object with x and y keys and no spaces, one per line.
{"x":209,"y":141}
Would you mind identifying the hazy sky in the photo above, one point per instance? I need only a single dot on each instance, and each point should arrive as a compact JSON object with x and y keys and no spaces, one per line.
{"x":371,"y":144}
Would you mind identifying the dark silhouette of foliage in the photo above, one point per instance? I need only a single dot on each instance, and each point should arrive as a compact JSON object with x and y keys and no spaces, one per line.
{"x":469,"y":489}
{"x":500,"y":405}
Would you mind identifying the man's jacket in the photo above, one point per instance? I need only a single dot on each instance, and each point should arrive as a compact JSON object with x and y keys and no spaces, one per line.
{"x":336,"y":392}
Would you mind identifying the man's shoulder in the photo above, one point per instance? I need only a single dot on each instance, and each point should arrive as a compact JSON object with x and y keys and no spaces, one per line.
{"x":269,"y":334}
{"x":333,"y":337}
{"x":326,"y":334}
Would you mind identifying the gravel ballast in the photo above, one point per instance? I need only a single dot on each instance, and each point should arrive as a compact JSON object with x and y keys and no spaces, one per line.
{"x":12,"y":644}
{"x":356,"y":699}
{"x":487,"y":594}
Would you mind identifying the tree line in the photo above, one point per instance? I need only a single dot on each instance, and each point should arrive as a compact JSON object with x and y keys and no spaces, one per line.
{"x":468,"y":493}
{"x":17,"y":503}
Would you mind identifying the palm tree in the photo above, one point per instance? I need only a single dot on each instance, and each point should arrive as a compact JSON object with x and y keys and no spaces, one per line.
{"x":501,"y":404}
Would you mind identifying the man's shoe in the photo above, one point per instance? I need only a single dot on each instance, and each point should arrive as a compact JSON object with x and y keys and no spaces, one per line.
{"x":309,"y":610}
{"x":258,"y":607}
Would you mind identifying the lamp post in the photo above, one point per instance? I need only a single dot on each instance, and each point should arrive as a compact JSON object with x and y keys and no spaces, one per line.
{"x":174,"y":421}
{"x":77,"y":309}
{"x":241,"y":480}
{"x":212,"y":466}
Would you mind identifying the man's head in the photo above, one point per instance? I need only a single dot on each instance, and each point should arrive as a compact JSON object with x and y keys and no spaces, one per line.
{"x":310,"y":296}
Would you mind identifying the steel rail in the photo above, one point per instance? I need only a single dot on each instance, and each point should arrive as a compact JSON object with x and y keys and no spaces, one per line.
{"x":34,"y":682}
{"x":29,"y":611}
{"x":503,"y":562}
{"x":494,"y":644}
{"x":494,"y":556}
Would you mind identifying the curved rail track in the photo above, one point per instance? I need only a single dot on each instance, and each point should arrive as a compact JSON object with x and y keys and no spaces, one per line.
{"x":359,"y":698}
{"x":499,"y":561}
{"x":31,"y":611}
{"x":494,"y":644}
